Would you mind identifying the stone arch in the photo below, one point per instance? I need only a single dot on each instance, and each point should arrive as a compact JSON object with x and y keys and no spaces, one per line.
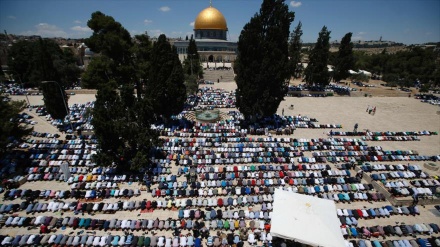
{"x":211,"y":58}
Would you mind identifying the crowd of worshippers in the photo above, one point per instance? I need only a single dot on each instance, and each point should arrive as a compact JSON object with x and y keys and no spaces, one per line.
{"x":78,"y":116}
{"x":127,"y":239}
{"x":217,"y":98}
{"x":208,"y":97}
{"x":280,"y":125}
{"x":247,"y":185}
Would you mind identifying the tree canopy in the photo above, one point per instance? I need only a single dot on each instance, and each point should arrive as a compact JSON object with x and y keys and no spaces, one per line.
{"x":403,"y":67}
{"x":262,"y":64}
{"x":295,"y":45}
{"x":42,"y":60}
{"x":10,"y":129}
{"x":192,"y":68}
{"x":98,"y":72}
{"x":191,"y":64}
{"x":344,"y":60}
{"x":109,"y":38}
{"x":166,"y":88}
{"x":112,"y":41}
{"x":141,"y":51}
{"x":317,"y":72}
{"x":122,"y":121}
{"x":53,"y":96}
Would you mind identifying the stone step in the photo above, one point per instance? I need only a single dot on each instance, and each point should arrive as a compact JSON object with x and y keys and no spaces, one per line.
{"x":221,"y":75}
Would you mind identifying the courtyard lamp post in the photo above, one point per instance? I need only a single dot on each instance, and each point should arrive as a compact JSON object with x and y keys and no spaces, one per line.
{"x":62,"y":96}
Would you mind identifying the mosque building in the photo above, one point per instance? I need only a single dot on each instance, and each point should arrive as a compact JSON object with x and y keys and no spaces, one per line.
{"x":210,"y":34}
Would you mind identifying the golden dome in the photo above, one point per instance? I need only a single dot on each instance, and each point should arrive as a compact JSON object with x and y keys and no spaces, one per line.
{"x":210,"y":18}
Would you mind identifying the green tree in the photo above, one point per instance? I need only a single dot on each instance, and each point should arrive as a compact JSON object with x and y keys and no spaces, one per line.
{"x":262,"y":65}
{"x":192,"y":68}
{"x":360,"y":77}
{"x":362,"y":61}
{"x":108,"y":123}
{"x":20,"y":60}
{"x":109,"y":38}
{"x":344,"y":60}
{"x":191,"y":84}
{"x":98,"y":72}
{"x":295,"y":46}
{"x":10,"y":129}
{"x":122,"y":126}
{"x":317,"y":72}
{"x":112,"y":40}
{"x":53,"y":97}
{"x":166,"y":87}
{"x":42,"y":60}
{"x":403,"y":67}
{"x":122,"y":121}
{"x":66,"y":67}
{"x":191,"y":64}
{"x":141,"y":51}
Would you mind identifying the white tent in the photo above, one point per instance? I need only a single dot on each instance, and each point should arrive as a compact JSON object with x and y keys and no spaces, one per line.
{"x":365,"y":72}
{"x":360,"y":72}
{"x":306,"y":219}
{"x":353,"y":72}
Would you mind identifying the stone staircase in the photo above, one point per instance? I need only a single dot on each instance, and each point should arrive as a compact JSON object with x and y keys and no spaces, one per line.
{"x":222,"y":75}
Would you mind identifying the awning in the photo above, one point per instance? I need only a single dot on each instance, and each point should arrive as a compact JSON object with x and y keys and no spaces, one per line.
{"x":306,"y":219}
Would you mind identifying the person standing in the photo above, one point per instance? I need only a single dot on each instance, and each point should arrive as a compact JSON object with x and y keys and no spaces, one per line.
{"x":415,"y":199}
{"x":355,"y":127}
{"x":282,"y":112}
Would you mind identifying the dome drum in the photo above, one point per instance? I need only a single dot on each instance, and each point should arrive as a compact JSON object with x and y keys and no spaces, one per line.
{"x":210,"y":34}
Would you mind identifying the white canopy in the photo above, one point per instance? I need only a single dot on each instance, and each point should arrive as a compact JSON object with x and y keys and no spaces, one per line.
{"x":365,"y":72}
{"x":360,"y":72}
{"x":306,"y":219}
{"x":352,"y":72}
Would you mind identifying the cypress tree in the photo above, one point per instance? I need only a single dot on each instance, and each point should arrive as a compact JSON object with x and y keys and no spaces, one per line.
{"x":165,"y":86}
{"x":191,"y":65}
{"x":262,"y":65}
{"x":317,"y":72}
{"x":344,"y":59}
{"x":122,"y":121}
{"x":295,"y":51}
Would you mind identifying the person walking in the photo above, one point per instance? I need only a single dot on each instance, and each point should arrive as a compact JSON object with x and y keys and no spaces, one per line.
{"x":355,"y":128}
